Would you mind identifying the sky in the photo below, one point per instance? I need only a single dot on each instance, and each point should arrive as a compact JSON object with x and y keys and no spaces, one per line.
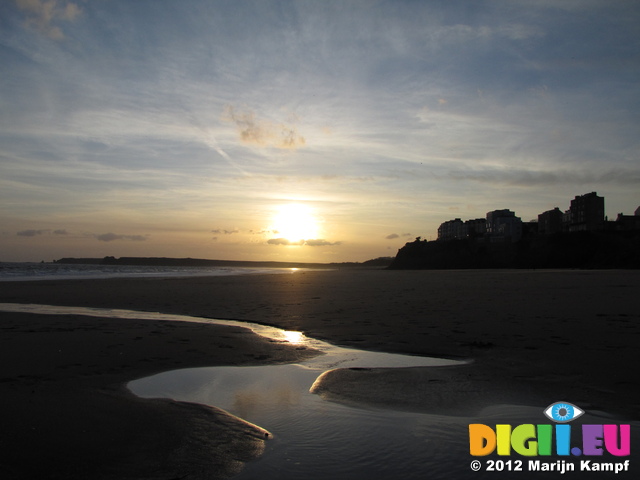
{"x":321,"y":131}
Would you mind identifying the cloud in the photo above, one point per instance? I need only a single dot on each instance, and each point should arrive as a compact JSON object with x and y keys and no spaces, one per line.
{"x":283,"y":241}
{"x":393,"y":236}
{"x":528,"y":178}
{"x":43,"y":15}
{"x":110,"y":237}
{"x":32,"y":233}
{"x":519,"y":31}
{"x":225,"y":232}
{"x":320,"y":242}
{"x":263,"y":132}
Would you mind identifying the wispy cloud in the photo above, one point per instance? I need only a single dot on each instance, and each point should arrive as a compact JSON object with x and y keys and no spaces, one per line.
{"x":320,"y":242}
{"x":110,"y":237}
{"x":284,"y":241}
{"x":393,"y":236}
{"x":35,"y":233}
{"x":32,"y":233}
{"x":45,"y":15}
{"x":317,"y":242}
{"x":532,"y":178}
{"x":263,"y":132}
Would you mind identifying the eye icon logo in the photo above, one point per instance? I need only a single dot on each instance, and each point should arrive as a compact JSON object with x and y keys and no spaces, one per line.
{"x":563,"y":412}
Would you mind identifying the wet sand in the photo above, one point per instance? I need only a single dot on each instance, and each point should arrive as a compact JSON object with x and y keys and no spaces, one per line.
{"x":67,"y":414}
{"x":535,"y":337}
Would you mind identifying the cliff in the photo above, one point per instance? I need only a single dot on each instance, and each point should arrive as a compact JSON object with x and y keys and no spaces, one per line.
{"x":589,"y":250}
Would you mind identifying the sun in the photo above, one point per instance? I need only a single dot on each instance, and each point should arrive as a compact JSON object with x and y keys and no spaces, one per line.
{"x":295,"y":222}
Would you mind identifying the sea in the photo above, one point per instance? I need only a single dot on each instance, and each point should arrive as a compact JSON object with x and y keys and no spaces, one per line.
{"x":25,"y":271}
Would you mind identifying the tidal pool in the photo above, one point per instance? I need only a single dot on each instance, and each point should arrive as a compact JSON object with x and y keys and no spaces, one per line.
{"x":317,"y":439}
{"x":313,"y":438}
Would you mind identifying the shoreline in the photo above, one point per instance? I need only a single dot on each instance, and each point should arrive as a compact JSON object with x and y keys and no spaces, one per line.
{"x":68,"y":414}
{"x":540,"y":335}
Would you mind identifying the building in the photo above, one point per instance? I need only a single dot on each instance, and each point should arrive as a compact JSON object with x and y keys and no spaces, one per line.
{"x":476,"y":228}
{"x":452,"y":230}
{"x":457,"y":229}
{"x":566,"y":220}
{"x":628,"y":222}
{"x":503,"y":226}
{"x":587,"y":213}
{"x":550,"y":222}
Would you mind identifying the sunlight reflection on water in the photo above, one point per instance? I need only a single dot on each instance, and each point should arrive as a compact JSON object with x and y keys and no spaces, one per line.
{"x":312,"y":438}
{"x":317,"y":439}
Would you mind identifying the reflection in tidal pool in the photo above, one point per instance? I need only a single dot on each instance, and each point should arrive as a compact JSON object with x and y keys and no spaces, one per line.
{"x":312,"y":438}
{"x":317,"y":439}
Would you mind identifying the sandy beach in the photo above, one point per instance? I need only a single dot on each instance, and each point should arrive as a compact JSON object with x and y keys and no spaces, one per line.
{"x":535,"y":337}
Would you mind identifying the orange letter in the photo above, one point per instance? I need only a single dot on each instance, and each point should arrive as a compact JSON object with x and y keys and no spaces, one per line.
{"x":482,"y":440}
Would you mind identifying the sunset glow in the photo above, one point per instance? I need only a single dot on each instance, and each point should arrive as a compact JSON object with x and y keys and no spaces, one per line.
{"x":292,"y":130}
{"x":295,"y":223}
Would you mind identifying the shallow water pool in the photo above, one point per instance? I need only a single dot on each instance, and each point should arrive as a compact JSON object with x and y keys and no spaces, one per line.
{"x":317,"y":439}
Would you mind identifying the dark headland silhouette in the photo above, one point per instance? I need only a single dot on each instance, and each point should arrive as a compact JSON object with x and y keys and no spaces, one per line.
{"x":588,"y":250}
{"x":580,"y":237}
